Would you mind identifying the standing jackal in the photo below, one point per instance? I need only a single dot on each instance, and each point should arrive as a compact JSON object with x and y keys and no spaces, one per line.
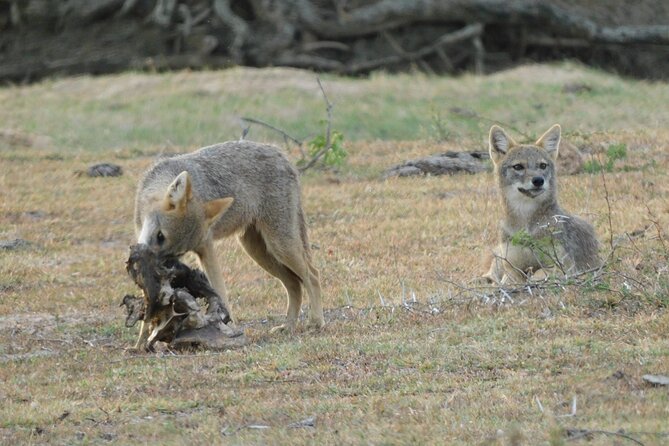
{"x":186,"y":202}
{"x":535,"y":233}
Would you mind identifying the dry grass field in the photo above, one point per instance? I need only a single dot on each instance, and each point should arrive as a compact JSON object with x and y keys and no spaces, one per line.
{"x":415,"y":351}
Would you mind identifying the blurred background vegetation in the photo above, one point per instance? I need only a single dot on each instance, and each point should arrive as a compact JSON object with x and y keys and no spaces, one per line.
{"x":41,"y":38}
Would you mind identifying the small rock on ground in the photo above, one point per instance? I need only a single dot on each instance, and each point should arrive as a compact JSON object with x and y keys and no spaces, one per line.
{"x":657,"y":380}
{"x":14,"y":244}
{"x":102,"y":170}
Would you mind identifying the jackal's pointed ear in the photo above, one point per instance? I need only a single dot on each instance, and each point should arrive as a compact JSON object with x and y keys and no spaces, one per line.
{"x":550,"y":141}
{"x":215,"y":208}
{"x":499,"y":143}
{"x":179,"y":192}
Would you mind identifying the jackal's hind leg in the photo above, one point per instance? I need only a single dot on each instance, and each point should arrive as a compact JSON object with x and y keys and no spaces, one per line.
{"x":291,"y":253}
{"x":255,"y":246}
{"x":212,"y":267}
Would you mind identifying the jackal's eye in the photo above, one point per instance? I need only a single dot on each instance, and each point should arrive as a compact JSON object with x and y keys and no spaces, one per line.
{"x":543,"y":166}
{"x":160,"y":237}
{"x":518,"y":167}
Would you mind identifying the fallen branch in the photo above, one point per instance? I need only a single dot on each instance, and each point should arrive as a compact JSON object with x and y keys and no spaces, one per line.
{"x":389,"y":14}
{"x":466,"y":33}
{"x":403,"y":53}
{"x":325,"y":45}
{"x":238,"y":26}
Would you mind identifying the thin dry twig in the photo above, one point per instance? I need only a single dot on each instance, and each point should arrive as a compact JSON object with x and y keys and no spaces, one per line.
{"x":608,"y":204}
{"x":581,"y":433}
{"x":507,"y":262}
{"x":299,"y":142}
{"x":650,"y":434}
{"x":328,"y":130}
{"x":402,"y":52}
{"x":541,"y":406}
{"x":286,"y":136}
{"x":658,"y":228}
{"x":485,"y":292}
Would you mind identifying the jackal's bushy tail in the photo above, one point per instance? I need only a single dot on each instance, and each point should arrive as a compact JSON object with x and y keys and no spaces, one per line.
{"x":303,"y":233}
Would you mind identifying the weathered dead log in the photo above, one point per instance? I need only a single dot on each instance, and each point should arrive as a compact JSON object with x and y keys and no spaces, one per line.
{"x":388,"y":14}
{"x":569,"y":162}
{"x":447,"y":163}
{"x":170,"y":308}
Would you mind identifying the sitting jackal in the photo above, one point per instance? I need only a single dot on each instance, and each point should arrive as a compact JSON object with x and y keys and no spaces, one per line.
{"x":535,"y":233}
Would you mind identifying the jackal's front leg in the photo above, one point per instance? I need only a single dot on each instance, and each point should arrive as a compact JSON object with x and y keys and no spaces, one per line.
{"x":495,"y":272}
{"x":212,"y":268}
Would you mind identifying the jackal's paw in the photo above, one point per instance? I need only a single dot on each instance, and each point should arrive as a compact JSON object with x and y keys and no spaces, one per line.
{"x":230,"y":330}
{"x":484,"y":280}
{"x":283,"y":328}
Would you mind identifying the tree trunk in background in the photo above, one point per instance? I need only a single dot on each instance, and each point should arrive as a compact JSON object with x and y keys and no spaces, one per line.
{"x":41,"y":38}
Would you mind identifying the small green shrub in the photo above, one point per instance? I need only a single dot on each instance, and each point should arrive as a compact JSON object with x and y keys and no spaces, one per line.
{"x":335,"y":156}
{"x":542,"y":247}
{"x":614,"y":153}
{"x":617,"y":152}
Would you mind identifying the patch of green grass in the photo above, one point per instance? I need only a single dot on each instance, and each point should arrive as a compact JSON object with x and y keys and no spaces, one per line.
{"x":134,"y":110}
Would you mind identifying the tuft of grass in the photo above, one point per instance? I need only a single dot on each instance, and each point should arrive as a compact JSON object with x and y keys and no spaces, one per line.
{"x":439,"y":126}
